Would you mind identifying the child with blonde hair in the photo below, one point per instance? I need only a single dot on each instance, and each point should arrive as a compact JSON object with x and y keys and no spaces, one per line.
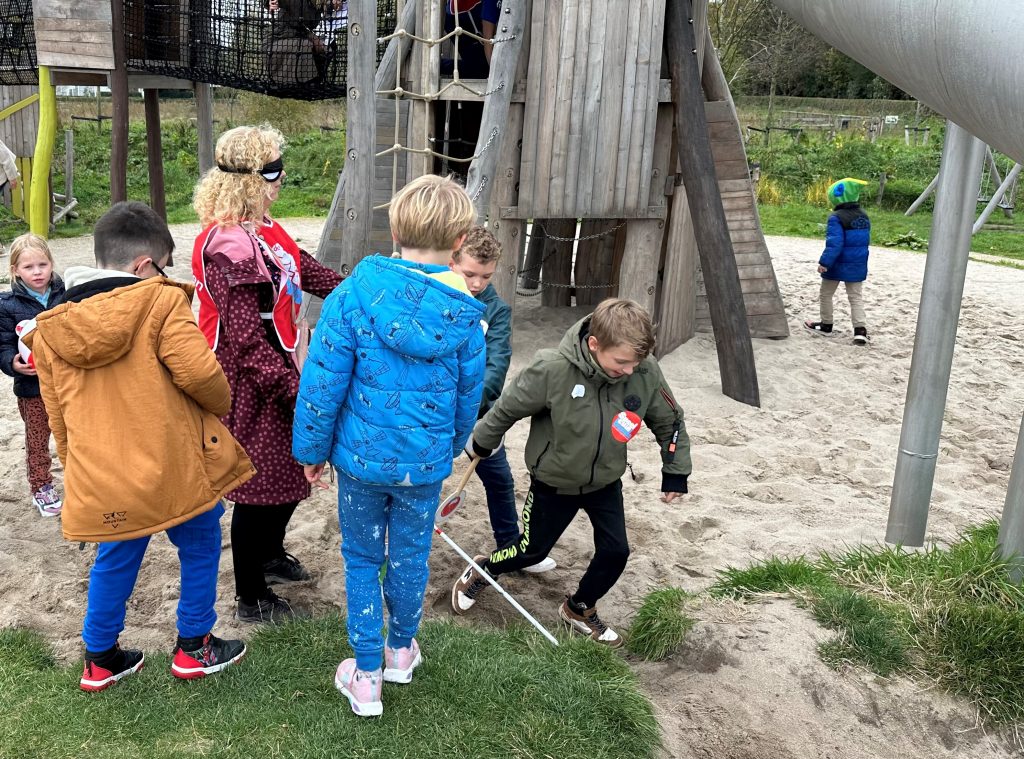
{"x":389,"y":394}
{"x":35,"y":287}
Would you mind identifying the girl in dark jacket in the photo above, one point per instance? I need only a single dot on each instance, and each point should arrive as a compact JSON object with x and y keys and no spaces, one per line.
{"x":845,"y":258}
{"x":35,"y":287}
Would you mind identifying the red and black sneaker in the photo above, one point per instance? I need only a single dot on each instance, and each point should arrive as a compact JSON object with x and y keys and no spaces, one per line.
{"x":105,"y":668}
{"x":199,"y":657}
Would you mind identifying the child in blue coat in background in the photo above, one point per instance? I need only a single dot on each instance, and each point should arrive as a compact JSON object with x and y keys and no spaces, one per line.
{"x":845,"y":258}
{"x":389,"y":394}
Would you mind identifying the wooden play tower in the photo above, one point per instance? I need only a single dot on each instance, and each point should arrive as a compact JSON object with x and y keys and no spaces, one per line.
{"x":580,"y":122}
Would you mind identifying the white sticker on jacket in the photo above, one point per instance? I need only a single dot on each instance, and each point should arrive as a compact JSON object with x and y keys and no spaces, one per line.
{"x":578,"y":392}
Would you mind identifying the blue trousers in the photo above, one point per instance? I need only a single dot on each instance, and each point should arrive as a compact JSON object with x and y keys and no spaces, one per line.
{"x":369,"y":515}
{"x":496,"y":476}
{"x":116,"y":568}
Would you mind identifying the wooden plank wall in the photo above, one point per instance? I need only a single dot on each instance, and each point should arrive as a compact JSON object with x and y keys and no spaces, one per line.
{"x":73,"y":33}
{"x":591,"y":108}
{"x":765,"y":312}
{"x":18,"y":131}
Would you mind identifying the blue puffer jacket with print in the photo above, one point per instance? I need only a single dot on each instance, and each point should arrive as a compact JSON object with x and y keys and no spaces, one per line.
{"x":390,"y":390}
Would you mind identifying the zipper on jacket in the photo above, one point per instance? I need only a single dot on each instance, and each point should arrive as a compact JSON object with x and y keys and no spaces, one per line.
{"x":536,"y":466}
{"x":600,"y":430}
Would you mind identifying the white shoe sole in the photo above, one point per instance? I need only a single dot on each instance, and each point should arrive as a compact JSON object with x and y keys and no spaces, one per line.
{"x":191,"y":673}
{"x":44,"y":513}
{"x":402,"y":676}
{"x":360,"y":709}
{"x":98,"y":685}
{"x":581,"y":628}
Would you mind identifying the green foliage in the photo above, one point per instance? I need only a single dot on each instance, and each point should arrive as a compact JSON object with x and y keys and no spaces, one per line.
{"x":661,"y":625}
{"x":951,"y":613}
{"x":910,"y":240}
{"x":477,"y":694}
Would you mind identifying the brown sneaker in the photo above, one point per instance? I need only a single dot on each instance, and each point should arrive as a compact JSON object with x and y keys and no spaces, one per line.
{"x":468,"y":587}
{"x":586,"y":622}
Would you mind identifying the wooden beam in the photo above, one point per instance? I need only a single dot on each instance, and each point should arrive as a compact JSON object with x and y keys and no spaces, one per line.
{"x":511,"y":234}
{"x":204,"y":125}
{"x":697,"y":167}
{"x":557,"y":269}
{"x":119,"y":110}
{"x":638,"y":276}
{"x":154,"y":153}
{"x":494,"y":122}
{"x":361,"y":134}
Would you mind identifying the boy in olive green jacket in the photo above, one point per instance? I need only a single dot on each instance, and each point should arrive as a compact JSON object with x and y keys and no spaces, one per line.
{"x":586,"y":401}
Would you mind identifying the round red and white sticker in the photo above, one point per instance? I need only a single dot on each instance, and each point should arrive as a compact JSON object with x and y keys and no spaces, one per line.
{"x":448,"y":507}
{"x":625,"y":425}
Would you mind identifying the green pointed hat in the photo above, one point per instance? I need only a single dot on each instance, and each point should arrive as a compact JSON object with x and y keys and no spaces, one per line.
{"x":845,"y":190}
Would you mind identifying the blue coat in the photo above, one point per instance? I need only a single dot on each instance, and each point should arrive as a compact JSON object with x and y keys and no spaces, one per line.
{"x":390,"y":390}
{"x":17,"y":305}
{"x":846,"y":244}
{"x":499,"y":345}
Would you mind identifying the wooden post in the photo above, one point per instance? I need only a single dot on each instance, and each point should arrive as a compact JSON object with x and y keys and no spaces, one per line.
{"x":118,"y":81}
{"x":638,"y":277}
{"x":40,"y":196}
{"x":361,"y":136}
{"x":204,"y":125}
{"x":882,"y":179}
{"x":942,"y":290}
{"x":495,"y":122}
{"x":534,"y":254}
{"x":154,"y":153}
{"x":557,"y":268}
{"x":1011,"y":526}
{"x":510,"y":233}
{"x":594,"y":260}
{"x":718,"y":262}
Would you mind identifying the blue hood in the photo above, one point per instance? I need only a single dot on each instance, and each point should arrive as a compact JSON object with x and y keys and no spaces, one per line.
{"x":411,"y":313}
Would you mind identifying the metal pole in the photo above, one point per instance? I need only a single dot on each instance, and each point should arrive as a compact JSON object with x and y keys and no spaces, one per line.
{"x":996,"y":197}
{"x":941,"y":295}
{"x":924,"y":196}
{"x":1011,"y":527}
{"x":204,"y":125}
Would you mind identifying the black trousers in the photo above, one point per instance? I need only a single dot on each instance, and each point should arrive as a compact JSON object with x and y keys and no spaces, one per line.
{"x":257,"y":536}
{"x":547,"y":514}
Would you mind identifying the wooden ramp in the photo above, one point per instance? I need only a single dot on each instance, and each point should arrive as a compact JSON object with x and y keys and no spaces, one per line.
{"x":766,"y":315}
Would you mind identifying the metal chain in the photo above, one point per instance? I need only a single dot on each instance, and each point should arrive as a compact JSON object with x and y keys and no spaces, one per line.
{"x":579,"y":239}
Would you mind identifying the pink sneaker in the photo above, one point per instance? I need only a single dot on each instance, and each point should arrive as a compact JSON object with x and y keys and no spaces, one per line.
{"x":362,"y":689}
{"x":400,"y":662}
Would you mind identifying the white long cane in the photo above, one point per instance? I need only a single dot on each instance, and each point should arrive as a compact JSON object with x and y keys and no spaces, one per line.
{"x":445,"y":510}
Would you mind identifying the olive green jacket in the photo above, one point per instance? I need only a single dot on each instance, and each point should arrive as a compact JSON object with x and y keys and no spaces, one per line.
{"x":578,"y":418}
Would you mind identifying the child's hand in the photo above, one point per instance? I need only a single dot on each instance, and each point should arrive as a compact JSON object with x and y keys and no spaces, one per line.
{"x":821,"y":269}
{"x":21,"y":367}
{"x":669,"y":497}
{"x":314,"y":473}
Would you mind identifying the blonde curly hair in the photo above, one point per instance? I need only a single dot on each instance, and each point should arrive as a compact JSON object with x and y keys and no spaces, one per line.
{"x":228,"y":198}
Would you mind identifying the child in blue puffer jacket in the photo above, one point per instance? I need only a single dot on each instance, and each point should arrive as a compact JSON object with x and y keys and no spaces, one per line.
{"x":845,"y":258}
{"x":389,"y":394}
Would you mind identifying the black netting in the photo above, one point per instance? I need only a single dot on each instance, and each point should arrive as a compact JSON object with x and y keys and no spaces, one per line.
{"x":17,"y":43}
{"x":300,"y":50}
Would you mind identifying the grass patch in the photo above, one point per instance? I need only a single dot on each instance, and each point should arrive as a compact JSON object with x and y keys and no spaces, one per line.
{"x":477,"y":694}
{"x":660,"y":626}
{"x":948,"y":613}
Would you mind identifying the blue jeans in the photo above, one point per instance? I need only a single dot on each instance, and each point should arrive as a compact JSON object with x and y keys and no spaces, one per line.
{"x":116,"y":568}
{"x":496,"y":476}
{"x":369,"y":515}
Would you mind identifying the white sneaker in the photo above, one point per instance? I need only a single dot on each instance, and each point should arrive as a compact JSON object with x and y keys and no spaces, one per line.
{"x":544,"y":565}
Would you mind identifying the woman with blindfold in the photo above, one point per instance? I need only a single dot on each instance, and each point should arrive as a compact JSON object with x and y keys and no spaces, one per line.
{"x":250,"y":278}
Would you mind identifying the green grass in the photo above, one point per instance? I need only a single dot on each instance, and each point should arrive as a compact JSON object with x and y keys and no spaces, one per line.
{"x":478,"y":694}
{"x":660,"y":625}
{"x":949,"y":614}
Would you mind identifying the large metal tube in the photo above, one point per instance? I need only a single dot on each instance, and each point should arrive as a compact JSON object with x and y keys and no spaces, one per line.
{"x":941,"y":294}
{"x":960,"y":59}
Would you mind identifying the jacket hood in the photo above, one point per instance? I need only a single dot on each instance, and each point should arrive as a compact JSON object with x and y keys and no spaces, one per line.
{"x":101,"y":329}
{"x":79,"y":275}
{"x":412,"y":313}
{"x":572,"y":348}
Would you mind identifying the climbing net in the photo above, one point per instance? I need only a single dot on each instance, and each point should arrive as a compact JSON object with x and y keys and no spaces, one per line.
{"x":17,"y":43}
{"x":398,"y":94}
{"x":286,"y":48}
